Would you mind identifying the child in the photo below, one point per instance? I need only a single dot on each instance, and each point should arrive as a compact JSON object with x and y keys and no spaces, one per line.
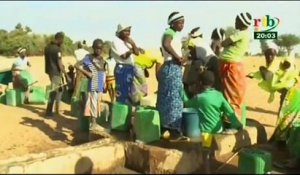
{"x":71,"y":84}
{"x":211,"y":104}
{"x":110,"y":78}
{"x":232,"y":71}
{"x":93,"y":67}
{"x":20,"y":82}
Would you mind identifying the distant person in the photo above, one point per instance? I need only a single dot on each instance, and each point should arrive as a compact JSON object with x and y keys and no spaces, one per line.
{"x":130,"y":79}
{"x":110,"y":78}
{"x":170,"y":86}
{"x":19,"y":82}
{"x":232,"y":70}
{"x":22,"y":61}
{"x":71,"y":84}
{"x":55,"y":69}
{"x":80,"y":52}
{"x":93,"y":66}
{"x":217,"y":37}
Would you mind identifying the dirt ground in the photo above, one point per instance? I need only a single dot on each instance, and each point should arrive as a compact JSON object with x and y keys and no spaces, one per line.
{"x":25,"y":130}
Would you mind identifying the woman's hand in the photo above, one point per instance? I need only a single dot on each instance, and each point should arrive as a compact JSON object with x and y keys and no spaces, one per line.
{"x":142,"y":51}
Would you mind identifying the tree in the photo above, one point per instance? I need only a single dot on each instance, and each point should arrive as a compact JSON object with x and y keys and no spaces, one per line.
{"x":263,"y":45}
{"x":287,"y":41}
{"x":229,"y":31}
{"x":18,"y":26}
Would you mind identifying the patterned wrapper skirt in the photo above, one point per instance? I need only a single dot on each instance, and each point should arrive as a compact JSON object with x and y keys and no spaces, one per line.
{"x":169,"y":95}
{"x":93,"y":104}
{"x":233,"y":80}
{"x":130,"y":83}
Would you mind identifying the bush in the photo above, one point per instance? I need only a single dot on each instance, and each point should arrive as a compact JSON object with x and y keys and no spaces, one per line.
{"x":34,"y":43}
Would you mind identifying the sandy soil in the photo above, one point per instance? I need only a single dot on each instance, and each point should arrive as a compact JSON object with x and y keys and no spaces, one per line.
{"x":25,"y":130}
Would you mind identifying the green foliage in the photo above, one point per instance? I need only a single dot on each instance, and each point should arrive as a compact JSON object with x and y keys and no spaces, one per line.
{"x":263,"y":45}
{"x":287,"y":41}
{"x":34,"y":43}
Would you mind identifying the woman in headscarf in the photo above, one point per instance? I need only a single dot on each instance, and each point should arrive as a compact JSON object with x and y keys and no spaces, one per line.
{"x":217,"y":36}
{"x":170,"y":86}
{"x":93,"y":66}
{"x":130,"y":80}
{"x":232,"y":70}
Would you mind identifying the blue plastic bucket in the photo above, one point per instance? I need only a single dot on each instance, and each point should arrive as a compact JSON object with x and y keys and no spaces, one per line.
{"x":190,"y":123}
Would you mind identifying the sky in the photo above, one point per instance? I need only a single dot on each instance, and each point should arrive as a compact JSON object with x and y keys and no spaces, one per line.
{"x":88,"y":20}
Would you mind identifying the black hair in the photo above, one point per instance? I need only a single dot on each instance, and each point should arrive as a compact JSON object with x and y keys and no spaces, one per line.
{"x":215,"y":35}
{"x":59,"y":35}
{"x":207,"y":78}
{"x":96,"y":42}
{"x":79,"y":45}
{"x":71,"y":68}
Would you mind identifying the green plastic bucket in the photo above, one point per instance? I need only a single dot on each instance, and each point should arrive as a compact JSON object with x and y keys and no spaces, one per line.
{"x":84,"y":123}
{"x":147,"y":125}
{"x":76,"y":109}
{"x":37,"y":96}
{"x":20,"y":97}
{"x":48,"y":89}
{"x":3,"y":99}
{"x":254,"y":161}
{"x":293,"y":141}
{"x":190,"y":123}
{"x":103,"y":120}
{"x":120,"y":120}
{"x":11,"y":97}
{"x":244,"y":115}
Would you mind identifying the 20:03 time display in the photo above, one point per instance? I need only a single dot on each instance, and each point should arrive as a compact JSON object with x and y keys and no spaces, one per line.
{"x":265,"y":35}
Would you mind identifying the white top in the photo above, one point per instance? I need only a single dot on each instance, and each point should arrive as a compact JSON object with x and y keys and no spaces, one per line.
{"x":119,"y":47}
{"x":175,"y":43}
{"x":80,"y":54}
{"x":111,"y":64}
{"x":21,"y":63}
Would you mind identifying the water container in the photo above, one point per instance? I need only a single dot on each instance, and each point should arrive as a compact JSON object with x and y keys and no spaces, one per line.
{"x":103,"y":119}
{"x":190,"y":123}
{"x":84,"y":123}
{"x":121,"y":114}
{"x":11,"y":97}
{"x":76,"y":109}
{"x":3,"y":99}
{"x":147,"y":125}
{"x":48,"y":89}
{"x":254,"y":161}
{"x":293,"y":141}
{"x":37,"y":96}
{"x":20,"y":97}
{"x":244,"y":114}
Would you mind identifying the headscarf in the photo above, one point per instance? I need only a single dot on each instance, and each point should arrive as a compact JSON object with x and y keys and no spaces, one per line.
{"x":175,"y":16}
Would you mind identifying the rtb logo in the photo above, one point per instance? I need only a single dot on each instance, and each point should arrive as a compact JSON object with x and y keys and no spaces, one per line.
{"x":263,"y":27}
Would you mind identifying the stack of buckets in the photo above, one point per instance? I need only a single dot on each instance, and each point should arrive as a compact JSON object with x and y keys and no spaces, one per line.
{"x":14,"y":97}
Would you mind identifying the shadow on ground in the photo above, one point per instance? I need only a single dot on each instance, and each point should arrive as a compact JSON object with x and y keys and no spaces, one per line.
{"x":258,"y":109}
{"x":64,"y":126}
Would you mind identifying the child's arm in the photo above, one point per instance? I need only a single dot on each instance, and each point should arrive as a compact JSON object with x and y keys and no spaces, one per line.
{"x":229,"y":112}
{"x":79,"y":66}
